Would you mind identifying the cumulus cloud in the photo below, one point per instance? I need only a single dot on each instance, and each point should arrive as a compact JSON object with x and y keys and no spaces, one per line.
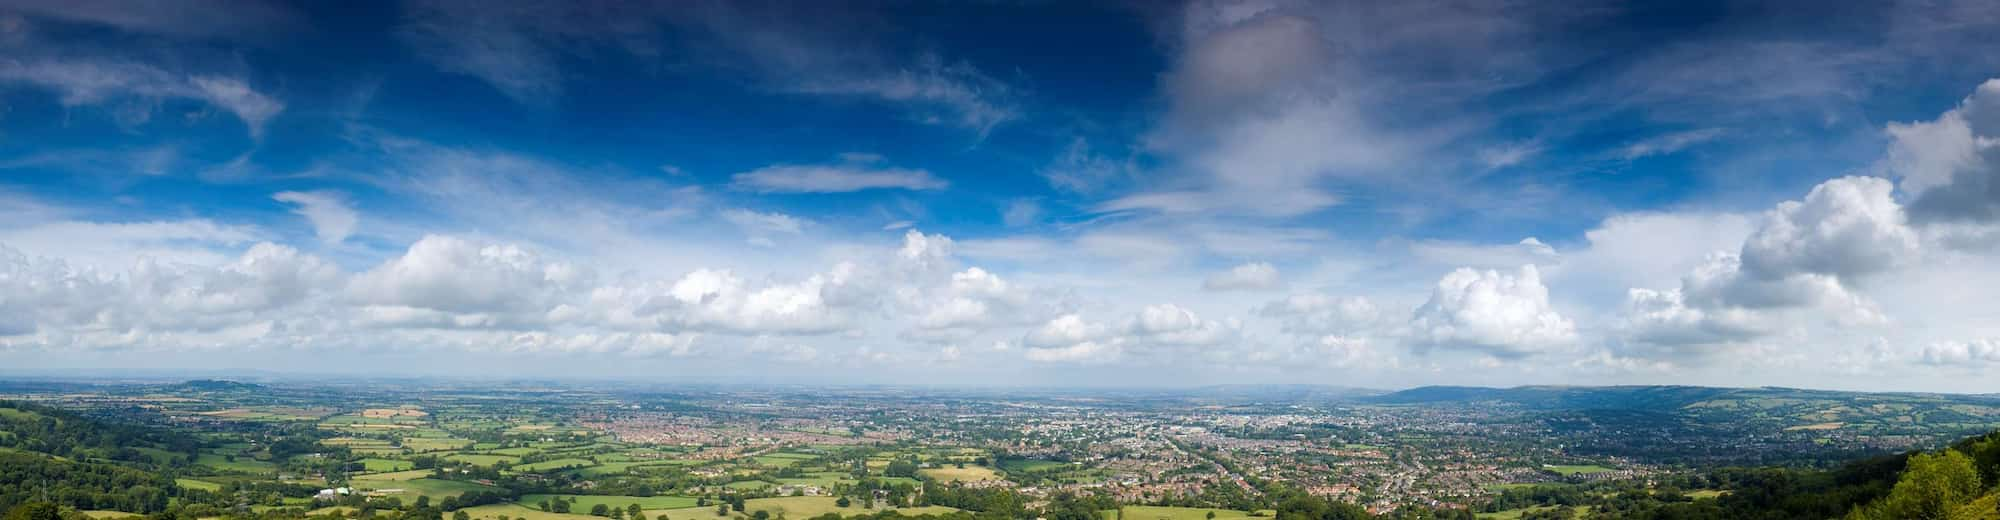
{"x":328,"y":212}
{"x":52,"y":297}
{"x":1951,"y":165}
{"x":1160,"y":332}
{"x":1962,"y":353}
{"x":456,"y":276}
{"x":1254,"y":276}
{"x":1804,"y":254}
{"x":846,"y":176}
{"x":1492,"y":312}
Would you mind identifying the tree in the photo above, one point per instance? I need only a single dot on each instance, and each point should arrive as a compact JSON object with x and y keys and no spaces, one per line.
{"x":721,"y":510}
{"x":843,"y":502}
{"x":617,"y":514}
{"x":761,"y":515}
{"x":1211,"y":515}
{"x":633,"y":512}
{"x":600,"y":510}
{"x":544,"y":505}
{"x":35,"y":511}
{"x":460,"y":515}
{"x":1931,"y":488}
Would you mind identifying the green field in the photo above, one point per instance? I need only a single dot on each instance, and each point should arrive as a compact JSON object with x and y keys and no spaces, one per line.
{"x":585,"y":502}
{"x":395,"y":475}
{"x":1019,"y":465}
{"x":555,"y":464}
{"x":1176,"y":513}
{"x":481,"y":459}
{"x":385,"y":465}
{"x":197,"y":484}
{"x":525,"y":512}
{"x":1567,"y":470}
{"x":241,"y":464}
{"x":792,"y":507}
{"x":434,"y":488}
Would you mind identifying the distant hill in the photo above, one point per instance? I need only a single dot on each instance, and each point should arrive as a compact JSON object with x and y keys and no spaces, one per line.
{"x":1662,"y":397}
{"x":1561,"y":397}
{"x":218,"y":385}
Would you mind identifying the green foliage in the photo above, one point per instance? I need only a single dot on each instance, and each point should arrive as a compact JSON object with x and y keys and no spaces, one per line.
{"x":1932,"y":487}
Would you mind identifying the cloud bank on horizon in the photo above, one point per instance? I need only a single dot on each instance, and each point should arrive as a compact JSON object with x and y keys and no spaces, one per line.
{"x":1216,"y":192}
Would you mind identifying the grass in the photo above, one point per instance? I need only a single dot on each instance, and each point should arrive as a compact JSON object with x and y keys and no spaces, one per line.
{"x":111,"y":514}
{"x":1567,"y":470}
{"x":423,"y":444}
{"x":482,"y":460}
{"x":395,"y":475}
{"x":965,"y":474}
{"x":242,"y":464}
{"x":1021,"y":465}
{"x":434,"y":488}
{"x":384,"y":465}
{"x":585,"y":502}
{"x":1176,"y":513}
{"x":555,"y":464}
{"x":197,"y":484}
{"x":524,"y":512}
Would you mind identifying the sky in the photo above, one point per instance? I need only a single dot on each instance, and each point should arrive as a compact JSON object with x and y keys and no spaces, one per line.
{"x":1365,"y":194}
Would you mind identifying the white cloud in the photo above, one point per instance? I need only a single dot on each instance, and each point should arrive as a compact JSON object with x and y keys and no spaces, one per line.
{"x":1511,"y":154}
{"x":1670,"y":143}
{"x":1022,"y":212}
{"x":1487,"y":311}
{"x":1254,"y":276}
{"x":1805,"y":254}
{"x":328,"y":212}
{"x":759,"y":223}
{"x":88,"y":82}
{"x":1317,"y":314}
{"x":834,"y":178}
{"x":457,"y":276}
{"x":1951,"y":165}
{"x":1962,"y":353}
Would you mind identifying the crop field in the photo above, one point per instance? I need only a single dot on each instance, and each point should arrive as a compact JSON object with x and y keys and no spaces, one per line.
{"x":965,"y":474}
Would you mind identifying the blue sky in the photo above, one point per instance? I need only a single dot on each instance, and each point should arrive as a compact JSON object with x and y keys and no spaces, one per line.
{"x":1737,"y":193}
